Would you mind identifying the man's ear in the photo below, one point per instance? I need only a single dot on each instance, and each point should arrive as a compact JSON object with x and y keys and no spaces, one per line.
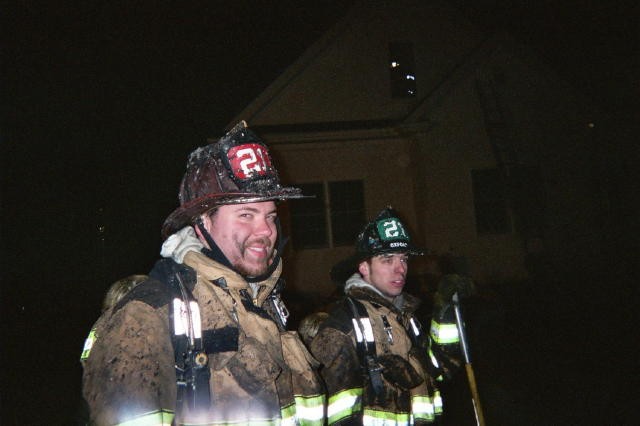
{"x":205,"y":220}
{"x":363,"y":268}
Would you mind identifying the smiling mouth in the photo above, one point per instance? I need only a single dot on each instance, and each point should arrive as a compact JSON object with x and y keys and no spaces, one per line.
{"x":258,"y":251}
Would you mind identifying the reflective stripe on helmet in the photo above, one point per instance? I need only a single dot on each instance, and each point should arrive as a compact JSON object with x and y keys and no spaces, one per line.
{"x":155,"y":418}
{"x":344,"y":404}
{"x":444,"y":334}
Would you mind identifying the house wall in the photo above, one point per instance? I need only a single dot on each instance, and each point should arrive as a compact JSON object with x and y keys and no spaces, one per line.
{"x":422,"y":164}
{"x":346,"y":77}
{"x":381,"y":164}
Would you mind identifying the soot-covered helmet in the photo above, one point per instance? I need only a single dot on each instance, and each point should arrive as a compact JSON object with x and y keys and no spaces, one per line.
{"x":385,"y":234}
{"x":235,"y":169}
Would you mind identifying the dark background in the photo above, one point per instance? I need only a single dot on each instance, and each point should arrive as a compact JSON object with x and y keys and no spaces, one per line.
{"x":103,"y":101}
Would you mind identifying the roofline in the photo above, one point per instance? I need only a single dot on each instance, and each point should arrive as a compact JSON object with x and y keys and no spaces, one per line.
{"x":296,"y":68}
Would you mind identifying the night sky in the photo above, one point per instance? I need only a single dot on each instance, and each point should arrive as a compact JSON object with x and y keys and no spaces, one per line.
{"x":103,"y":101}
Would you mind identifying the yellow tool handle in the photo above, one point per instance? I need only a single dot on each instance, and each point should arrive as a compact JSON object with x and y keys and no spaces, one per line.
{"x":474,"y":395}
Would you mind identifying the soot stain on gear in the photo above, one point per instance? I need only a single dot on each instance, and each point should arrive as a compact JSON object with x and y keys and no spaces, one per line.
{"x":253,"y":369}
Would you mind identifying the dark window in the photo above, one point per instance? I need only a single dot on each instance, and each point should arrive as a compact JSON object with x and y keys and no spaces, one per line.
{"x":490,"y":202}
{"x":529,"y":200}
{"x":347,"y":211}
{"x":402,"y":70}
{"x":332,"y":218}
{"x":308,"y":219}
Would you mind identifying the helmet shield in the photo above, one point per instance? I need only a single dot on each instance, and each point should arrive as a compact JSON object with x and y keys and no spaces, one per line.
{"x":236,"y":169}
{"x":385,"y":234}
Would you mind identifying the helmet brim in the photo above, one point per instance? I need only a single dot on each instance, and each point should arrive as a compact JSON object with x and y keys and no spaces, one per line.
{"x":342,"y":270}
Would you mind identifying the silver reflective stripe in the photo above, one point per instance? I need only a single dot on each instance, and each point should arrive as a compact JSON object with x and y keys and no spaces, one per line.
{"x":423,"y":408}
{"x":414,"y":326}
{"x":155,"y":418}
{"x":437,"y":402}
{"x":366,"y":325}
{"x":310,"y":410}
{"x":444,"y":333}
{"x":433,"y":358}
{"x":180,"y":320}
{"x":343,"y":404}
{"x":385,"y":418}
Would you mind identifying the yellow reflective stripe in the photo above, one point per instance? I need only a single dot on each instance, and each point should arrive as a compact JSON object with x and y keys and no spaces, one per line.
{"x":155,"y":418}
{"x":444,"y":333}
{"x":344,"y":404}
{"x":288,"y":414}
{"x":384,"y":418}
{"x":310,"y":410}
{"x":422,"y":408}
{"x":88,"y":344}
{"x":277,"y":422}
{"x":437,"y":402}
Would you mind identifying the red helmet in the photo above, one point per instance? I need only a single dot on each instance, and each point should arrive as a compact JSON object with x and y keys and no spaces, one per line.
{"x":236,"y":169}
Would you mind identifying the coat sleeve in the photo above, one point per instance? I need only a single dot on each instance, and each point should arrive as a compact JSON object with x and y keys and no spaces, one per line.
{"x":129,"y":373}
{"x":445,"y":356}
{"x":340,"y":369}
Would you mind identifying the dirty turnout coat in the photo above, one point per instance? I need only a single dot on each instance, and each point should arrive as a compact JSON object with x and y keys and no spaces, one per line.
{"x":259,"y":373}
{"x":393,"y":382}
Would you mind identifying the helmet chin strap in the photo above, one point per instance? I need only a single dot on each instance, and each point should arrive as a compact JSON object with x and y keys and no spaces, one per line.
{"x":214,"y":252}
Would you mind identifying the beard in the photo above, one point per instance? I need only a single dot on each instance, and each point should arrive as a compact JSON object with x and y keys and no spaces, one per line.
{"x":253,"y":268}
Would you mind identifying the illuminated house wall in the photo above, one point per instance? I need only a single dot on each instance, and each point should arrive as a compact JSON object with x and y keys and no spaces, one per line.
{"x":483,"y":107}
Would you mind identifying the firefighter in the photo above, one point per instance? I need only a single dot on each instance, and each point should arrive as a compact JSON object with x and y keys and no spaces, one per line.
{"x":204,"y":339}
{"x":379,"y":365}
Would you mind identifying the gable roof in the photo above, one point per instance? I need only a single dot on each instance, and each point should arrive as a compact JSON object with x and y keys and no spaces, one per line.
{"x":342,"y":80}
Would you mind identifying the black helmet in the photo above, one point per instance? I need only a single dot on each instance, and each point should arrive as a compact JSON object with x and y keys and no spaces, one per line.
{"x":236,"y":169}
{"x":385,"y":234}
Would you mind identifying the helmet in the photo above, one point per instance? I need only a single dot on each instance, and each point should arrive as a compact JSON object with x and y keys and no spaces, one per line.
{"x":236,"y":169}
{"x":385,"y":234}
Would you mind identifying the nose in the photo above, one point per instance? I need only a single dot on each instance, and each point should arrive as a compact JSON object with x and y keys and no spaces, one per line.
{"x":400,"y":266}
{"x":264,"y":227}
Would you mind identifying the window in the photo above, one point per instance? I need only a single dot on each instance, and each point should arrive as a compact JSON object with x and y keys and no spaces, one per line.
{"x":490,"y":202}
{"x":402,"y":70}
{"x":333,"y":218}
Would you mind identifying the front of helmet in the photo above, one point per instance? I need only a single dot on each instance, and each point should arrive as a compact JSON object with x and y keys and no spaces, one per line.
{"x":235,"y":169}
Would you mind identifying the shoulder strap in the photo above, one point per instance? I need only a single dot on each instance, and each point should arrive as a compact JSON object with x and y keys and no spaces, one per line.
{"x":191,"y":361}
{"x":366,"y":347}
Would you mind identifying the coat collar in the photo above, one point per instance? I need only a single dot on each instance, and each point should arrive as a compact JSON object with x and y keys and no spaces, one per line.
{"x":210,"y":270}
{"x":358,"y":288}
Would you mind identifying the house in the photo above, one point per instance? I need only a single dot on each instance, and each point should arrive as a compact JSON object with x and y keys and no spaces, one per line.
{"x":482,"y":150}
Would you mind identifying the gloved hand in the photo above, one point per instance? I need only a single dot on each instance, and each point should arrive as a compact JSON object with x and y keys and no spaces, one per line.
{"x":454,"y":283}
{"x":180,"y":243}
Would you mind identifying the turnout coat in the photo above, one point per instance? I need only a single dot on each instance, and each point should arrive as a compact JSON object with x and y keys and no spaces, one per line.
{"x":259,"y":373}
{"x":396,"y":383}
